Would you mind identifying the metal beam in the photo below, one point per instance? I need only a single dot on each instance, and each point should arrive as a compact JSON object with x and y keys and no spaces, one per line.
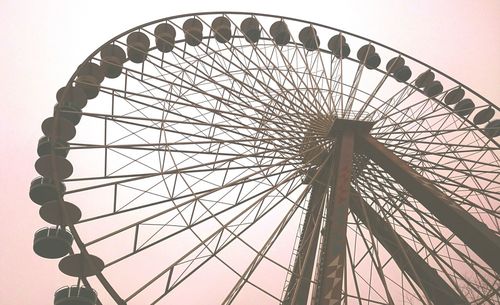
{"x":333,"y":252}
{"x":298,"y":289}
{"x":408,"y":260}
{"x":482,"y":240}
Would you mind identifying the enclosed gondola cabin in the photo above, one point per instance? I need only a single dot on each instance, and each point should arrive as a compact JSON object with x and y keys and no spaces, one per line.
{"x":112,"y":59}
{"x":165,"y":37}
{"x":339,"y":47}
{"x":395,"y":64}
{"x":90,"y":76}
{"x":280,"y":33}
{"x":81,"y":265}
{"x":251,"y":29}
{"x":464,"y":108}
{"x":433,"y":88}
{"x":59,"y":129}
{"x":43,"y":190}
{"x":73,"y":96}
{"x":403,"y":75}
{"x":60,"y":213}
{"x":75,"y":295}
{"x":54,"y":167}
{"x":193,"y":31}
{"x":52,"y":242}
{"x":137,"y":47}
{"x":70,"y":113}
{"x":309,"y":38}
{"x":484,"y":116}
{"x":424,"y":79}
{"x":46,"y":147}
{"x":454,"y":96}
{"x":221,"y":27}
{"x":492,"y":129}
{"x":368,"y":57}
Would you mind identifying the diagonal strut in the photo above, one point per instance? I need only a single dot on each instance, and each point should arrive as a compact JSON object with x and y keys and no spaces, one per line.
{"x":478,"y":237}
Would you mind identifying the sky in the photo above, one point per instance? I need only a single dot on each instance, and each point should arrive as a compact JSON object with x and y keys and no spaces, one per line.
{"x":44,"y":41}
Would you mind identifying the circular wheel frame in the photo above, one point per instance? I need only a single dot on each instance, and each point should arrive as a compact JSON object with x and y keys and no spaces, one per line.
{"x":224,"y":157}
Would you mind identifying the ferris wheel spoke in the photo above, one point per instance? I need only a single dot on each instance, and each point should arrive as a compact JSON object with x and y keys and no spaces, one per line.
{"x":191,"y":224}
{"x":184,"y":104}
{"x":406,"y":258}
{"x":359,"y":277}
{"x":459,"y":184}
{"x":138,"y":124}
{"x":391,"y":103}
{"x":373,"y":254}
{"x":238,"y":181}
{"x":244,"y":56}
{"x":408,"y":112}
{"x":372,"y":95}
{"x":354,"y":274}
{"x":180,"y":170}
{"x":483,"y":235}
{"x":452,"y":164}
{"x":255,"y":109}
{"x":313,"y":79}
{"x":470,"y":165}
{"x":187,"y":121}
{"x":335,"y":81}
{"x":290,"y":71}
{"x":440,"y":114}
{"x":490,"y":212}
{"x":267,"y":77}
{"x":402,"y":149}
{"x":468,"y":162}
{"x":355,"y":85}
{"x":263,"y":251}
{"x":427,"y":222}
{"x":223,"y":143}
{"x":218,"y":247}
{"x":260,"y":255}
{"x":391,"y":112}
{"x":436,"y":101}
{"x":440,"y":149}
{"x":168,"y":199}
{"x":239,"y":56}
{"x":153,"y":146}
{"x":201,"y":75}
{"x":191,"y":167}
{"x":225,"y":128}
{"x":433,"y":132}
{"x":472,"y":204}
{"x":234,"y":119}
{"x":187,"y":102}
{"x":327,"y":78}
{"x":209,"y":128}
{"x":441,"y":258}
{"x":435,"y":251}
{"x":432,"y":128}
{"x":411,"y":123}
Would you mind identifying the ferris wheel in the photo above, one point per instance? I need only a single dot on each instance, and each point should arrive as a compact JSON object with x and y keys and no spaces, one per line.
{"x":241,"y":158}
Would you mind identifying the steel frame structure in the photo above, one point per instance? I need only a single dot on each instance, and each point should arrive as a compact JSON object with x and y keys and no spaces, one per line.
{"x":397,"y":187}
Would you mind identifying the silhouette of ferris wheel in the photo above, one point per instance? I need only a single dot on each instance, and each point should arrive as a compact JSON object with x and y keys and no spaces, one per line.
{"x":237,"y":158}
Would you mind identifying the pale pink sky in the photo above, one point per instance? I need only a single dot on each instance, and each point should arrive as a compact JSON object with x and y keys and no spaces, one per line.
{"x":44,"y":41}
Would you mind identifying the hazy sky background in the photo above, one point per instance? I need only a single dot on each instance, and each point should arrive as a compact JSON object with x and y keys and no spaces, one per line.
{"x":44,"y":41}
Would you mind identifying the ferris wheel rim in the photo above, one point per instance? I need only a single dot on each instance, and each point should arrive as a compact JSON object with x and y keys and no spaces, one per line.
{"x":371,"y":41}
{"x":80,"y":243}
